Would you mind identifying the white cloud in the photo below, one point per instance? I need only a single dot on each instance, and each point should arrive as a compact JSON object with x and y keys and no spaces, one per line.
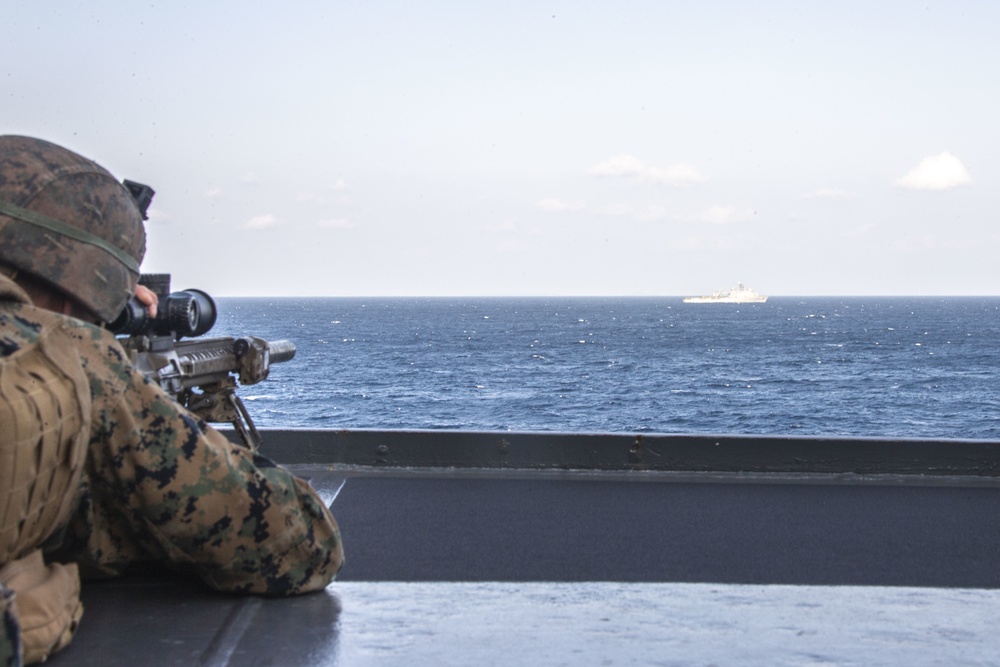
{"x":212,"y":193}
{"x":829,"y":193}
{"x":250,"y":177}
{"x":340,"y":185}
{"x":262,"y":221}
{"x":628,"y":166}
{"x":619,"y":165}
{"x":726,"y":215}
{"x":936,"y":172}
{"x":555,"y":205}
{"x":337,"y":223}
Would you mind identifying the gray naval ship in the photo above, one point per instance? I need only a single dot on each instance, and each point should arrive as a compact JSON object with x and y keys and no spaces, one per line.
{"x":739,"y":294}
{"x":467,"y":548}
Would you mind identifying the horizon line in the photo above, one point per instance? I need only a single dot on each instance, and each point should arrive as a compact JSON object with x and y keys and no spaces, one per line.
{"x":592,"y":296}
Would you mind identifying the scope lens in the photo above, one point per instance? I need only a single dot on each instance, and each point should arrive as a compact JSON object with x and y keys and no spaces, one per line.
{"x":204,"y":310}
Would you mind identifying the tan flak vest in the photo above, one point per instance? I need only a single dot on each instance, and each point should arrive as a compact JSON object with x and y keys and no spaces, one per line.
{"x":44,"y":431}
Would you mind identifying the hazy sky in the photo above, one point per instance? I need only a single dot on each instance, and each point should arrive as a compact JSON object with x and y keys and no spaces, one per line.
{"x":533,"y":148}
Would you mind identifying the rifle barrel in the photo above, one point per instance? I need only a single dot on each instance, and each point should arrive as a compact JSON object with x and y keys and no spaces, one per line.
{"x":281,"y":350}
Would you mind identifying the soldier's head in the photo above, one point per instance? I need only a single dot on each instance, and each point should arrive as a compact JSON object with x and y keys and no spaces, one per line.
{"x":67,"y":224}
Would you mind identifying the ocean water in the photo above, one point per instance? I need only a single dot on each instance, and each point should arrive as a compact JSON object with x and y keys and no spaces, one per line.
{"x":860,"y":366}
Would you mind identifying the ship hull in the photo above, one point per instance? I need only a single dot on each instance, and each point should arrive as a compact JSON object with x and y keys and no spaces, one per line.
{"x":710,"y":299}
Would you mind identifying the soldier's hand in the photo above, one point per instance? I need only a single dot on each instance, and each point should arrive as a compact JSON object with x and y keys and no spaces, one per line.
{"x":148,"y":298}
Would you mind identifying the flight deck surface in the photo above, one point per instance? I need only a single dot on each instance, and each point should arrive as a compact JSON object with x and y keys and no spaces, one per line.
{"x":459,"y":566}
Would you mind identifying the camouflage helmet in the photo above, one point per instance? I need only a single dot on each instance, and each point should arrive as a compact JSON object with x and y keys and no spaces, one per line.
{"x":67,"y":221}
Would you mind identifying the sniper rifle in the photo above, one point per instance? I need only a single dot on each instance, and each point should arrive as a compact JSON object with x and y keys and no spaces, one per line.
{"x":200,"y":374}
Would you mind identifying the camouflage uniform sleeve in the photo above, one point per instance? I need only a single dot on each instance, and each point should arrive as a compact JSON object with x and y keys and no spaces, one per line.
{"x":164,"y":485}
{"x":10,"y":630}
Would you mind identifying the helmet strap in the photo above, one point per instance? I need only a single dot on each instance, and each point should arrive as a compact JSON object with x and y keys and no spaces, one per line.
{"x":51,"y":224}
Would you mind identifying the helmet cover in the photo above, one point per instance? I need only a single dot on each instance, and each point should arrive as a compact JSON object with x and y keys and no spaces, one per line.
{"x":68,"y":221}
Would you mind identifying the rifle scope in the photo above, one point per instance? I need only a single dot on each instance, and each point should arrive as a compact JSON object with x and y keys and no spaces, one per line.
{"x":189,"y":312}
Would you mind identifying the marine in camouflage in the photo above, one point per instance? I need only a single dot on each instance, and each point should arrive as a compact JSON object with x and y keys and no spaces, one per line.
{"x":160,"y":485}
{"x":124,"y":474}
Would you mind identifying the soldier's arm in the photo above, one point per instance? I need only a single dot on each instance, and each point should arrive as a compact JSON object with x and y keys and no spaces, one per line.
{"x":187,"y":495}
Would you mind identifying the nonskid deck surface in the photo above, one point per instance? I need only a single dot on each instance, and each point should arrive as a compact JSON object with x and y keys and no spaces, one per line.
{"x":538,"y":624}
{"x":529,"y":567}
{"x":530,"y":526}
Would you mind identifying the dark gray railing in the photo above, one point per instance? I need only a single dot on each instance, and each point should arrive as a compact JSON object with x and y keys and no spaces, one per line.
{"x":635,"y":452}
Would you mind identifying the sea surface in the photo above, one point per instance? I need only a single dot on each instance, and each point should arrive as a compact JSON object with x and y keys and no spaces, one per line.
{"x":858,"y":366}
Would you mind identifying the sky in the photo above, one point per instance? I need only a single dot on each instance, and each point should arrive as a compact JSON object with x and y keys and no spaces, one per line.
{"x":542,"y":148}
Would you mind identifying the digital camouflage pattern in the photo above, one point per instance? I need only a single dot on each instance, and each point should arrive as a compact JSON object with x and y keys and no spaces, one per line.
{"x":10,"y":640}
{"x":159,"y":485}
{"x":52,"y":181}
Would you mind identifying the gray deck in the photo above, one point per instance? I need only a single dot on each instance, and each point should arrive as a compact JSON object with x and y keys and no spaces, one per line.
{"x":538,"y":624}
{"x":523,"y":564}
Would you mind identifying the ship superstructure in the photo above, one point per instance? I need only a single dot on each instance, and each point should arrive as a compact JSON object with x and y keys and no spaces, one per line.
{"x":738,"y":294}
